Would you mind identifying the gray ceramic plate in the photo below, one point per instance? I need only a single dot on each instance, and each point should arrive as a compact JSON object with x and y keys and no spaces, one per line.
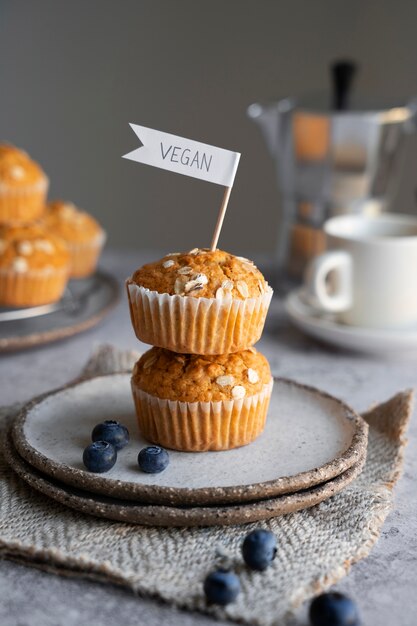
{"x":84,"y":304}
{"x":154,"y":515}
{"x":310,"y":438}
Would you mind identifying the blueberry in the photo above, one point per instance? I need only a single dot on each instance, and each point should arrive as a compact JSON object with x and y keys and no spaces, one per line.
{"x":259,"y":549}
{"x":221,"y":587}
{"x":153,"y":459}
{"x":333,"y":609}
{"x":99,"y":456}
{"x":113,"y":432}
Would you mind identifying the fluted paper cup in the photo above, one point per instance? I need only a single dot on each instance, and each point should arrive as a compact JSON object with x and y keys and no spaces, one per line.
{"x":23,"y":204}
{"x":196,"y":325}
{"x":33,"y":287}
{"x":85,"y":255}
{"x":201,"y":426}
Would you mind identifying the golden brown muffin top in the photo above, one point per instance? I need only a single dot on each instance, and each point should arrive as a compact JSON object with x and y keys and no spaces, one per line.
{"x":31,"y":247}
{"x":193,"y":378}
{"x":17,"y":168}
{"x":202,"y":273}
{"x":72,"y":224}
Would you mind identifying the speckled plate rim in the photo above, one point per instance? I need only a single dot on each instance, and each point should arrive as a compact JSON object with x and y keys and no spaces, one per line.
{"x":157,"y":494}
{"x":170,"y":516}
{"x":11,"y":344}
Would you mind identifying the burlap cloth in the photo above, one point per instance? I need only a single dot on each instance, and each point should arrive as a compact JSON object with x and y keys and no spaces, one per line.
{"x":316,"y":546}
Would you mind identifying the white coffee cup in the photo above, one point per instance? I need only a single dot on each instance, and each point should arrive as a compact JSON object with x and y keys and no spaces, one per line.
{"x":368,"y":276}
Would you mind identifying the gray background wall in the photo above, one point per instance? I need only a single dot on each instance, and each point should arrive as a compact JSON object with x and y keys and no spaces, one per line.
{"x":74,"y":73}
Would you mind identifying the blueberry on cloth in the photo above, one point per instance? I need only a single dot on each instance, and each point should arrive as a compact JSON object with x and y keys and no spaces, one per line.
{"x":153,"y":459}
{"x":221,"y":587}
{"x":333,"y":609}
{"x":259,"y":549}
{"x":99,"y":456}
{"x":113,"y":432}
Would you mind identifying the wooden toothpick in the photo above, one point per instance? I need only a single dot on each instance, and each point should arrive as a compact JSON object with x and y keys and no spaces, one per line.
{"x":220,"y":218}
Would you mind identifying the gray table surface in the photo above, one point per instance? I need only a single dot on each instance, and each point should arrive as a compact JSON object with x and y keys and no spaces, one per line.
{"x":383,"y":584}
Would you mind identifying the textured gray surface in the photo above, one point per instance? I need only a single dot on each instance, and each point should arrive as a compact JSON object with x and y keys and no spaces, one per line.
{"x":383,"y":584}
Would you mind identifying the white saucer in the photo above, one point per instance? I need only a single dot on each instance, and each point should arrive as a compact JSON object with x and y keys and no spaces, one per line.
{"x":326,"y":327}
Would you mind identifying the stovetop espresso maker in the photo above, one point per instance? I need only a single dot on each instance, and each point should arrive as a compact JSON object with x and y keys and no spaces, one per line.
{"x":332,"y":156}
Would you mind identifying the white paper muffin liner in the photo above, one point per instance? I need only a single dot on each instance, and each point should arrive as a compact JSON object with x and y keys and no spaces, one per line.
{"x":196,"y":325}
{"x":201,"y":426}
{"x":85,"y":255}
{"x":32,"y":287}
{"x":23,"y":203}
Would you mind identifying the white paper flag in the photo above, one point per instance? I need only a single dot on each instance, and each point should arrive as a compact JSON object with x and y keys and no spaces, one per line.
{"x":185,"y":156}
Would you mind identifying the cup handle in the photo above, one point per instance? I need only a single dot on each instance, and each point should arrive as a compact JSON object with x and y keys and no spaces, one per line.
{"x":317,"y":290}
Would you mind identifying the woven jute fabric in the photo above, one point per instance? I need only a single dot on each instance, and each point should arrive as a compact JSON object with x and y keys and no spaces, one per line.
{"x":316,"y":546}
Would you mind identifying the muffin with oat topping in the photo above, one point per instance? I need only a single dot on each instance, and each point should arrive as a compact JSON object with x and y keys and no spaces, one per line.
{"x":195,"y":403}
{"x":23,"y":186}
{"x":199,"y":302}
{"x":81,"y":232}
{"x":34,"y":266}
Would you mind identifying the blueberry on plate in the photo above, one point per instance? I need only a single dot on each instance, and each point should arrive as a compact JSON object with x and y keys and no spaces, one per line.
{"x":259,"y":549}
{"x":99,"y":456}
{"x":113,"y":432}
{"x":333,"y":609}
{"x":153,"y":459}
{"x":221,"y":587}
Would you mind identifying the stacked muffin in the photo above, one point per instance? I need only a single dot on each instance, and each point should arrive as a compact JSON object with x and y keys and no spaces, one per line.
{"x":41,"y":246}
{"x":203,"y":386}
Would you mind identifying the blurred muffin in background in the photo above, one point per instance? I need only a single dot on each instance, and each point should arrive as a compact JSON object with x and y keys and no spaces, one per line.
{"x":34,"y":266}
{"x":81,"y":232}
{"x":23,"y":186}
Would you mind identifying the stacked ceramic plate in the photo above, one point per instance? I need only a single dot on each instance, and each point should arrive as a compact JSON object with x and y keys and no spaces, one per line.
{"x":313,"y":447}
